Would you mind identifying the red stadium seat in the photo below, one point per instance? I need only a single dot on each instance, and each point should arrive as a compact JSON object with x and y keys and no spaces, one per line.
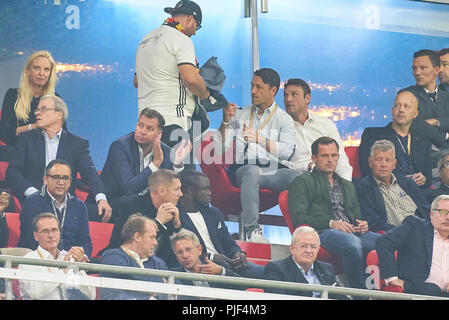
{"x":13,"y":221}
{"x":100,"y":234}
{"x":353,"y":156}
{"x":372,"y":262}
{"x":259,"y":253}
{"x":225,"y":196}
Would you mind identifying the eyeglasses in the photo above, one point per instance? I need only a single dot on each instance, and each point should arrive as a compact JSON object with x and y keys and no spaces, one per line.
{"x":47,"y":232}
{"x":443,"y":212}
{"x":59,"y":178}
{"x":446,"y":164}
{"x":306,"y":245}
{"x":44,"y":109}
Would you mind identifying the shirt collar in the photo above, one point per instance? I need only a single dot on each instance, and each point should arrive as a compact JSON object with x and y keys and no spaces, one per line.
{"x":378,"y":182}
{"x":56,"y":203}
{"x":310,"y":272}
{"x":435,"y":232}
{"x":47,"y":255}
{"x":57,"y":135}
{"x":435,"y":91}
{"x":135,"y":255}
{"x":141,"y":152}
{"x":269,"y":109}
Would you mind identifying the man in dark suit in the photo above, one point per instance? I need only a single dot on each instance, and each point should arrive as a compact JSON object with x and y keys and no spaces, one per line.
{"x":301,"y":266}
{"x":433,"y":104}
{"x":421,"y":245}
{"x":197,"y":215}
{"x":189,"y":252}
{"x":36,"y":148}
{"x":135,"y":156}
{"x":412,"y":150}
{"x":444,"y":69}
{"x":158,"y":204}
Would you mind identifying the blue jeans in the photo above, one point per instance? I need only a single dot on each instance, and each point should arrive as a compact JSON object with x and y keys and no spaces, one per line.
{"x":353,"y":249}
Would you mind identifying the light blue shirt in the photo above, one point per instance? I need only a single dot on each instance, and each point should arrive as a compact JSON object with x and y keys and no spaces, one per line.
{"x":51,"y":151}
{"x":311,"y":279}
{"x":280,"y":129}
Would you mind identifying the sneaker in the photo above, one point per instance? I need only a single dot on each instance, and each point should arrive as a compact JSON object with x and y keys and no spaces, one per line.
{"x":256,"y":235}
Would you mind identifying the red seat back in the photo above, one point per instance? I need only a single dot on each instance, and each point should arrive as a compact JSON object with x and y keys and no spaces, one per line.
{"x":225,"y":196}
{"x":259,"y":253}
{"x":283,"y":205}
{"x":353,"y":157}
{"x":100,"y":234}
{"x":13,"y":221}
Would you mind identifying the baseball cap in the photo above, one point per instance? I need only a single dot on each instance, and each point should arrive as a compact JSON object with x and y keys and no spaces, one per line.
{"x":187,"y":7}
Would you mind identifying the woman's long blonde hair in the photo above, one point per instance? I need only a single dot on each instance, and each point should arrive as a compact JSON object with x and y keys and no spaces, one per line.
{"x":25,"y":95}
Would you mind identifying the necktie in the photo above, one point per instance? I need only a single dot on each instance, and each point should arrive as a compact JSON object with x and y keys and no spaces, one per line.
{"x":433,"y":97}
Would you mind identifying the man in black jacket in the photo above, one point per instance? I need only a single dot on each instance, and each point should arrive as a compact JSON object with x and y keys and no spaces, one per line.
{"x":433,"y":103}
{"x":207,"y":223}
{"x":412,"y":149}
{"x":301,"y":266}
{"x":421,"y":247}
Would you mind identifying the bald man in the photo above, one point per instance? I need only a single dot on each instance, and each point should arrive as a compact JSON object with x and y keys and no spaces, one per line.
{"x":412,"y":150}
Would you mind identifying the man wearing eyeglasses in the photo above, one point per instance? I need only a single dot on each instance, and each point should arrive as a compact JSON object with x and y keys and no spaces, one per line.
{"x":167,"y":70}
{"x":36,"y":148}
{"x":301,"y":266}
{"x":68,"y":210}
{"x":47,"y":232}
{"x":422,"y":252}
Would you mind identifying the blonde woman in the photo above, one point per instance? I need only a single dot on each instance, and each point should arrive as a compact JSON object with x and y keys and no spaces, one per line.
{"x":38,"y":79}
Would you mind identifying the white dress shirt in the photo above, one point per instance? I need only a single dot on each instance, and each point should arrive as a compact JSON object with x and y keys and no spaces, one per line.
{"x":279,"y":130}
{"x":314,"y":128}
{"x":38,"y":290}
{"x":200,"y":225}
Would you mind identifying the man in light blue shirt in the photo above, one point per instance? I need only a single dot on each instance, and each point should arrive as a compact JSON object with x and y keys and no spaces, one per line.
{"x":36,"y":148}
{"x":264,"y":134}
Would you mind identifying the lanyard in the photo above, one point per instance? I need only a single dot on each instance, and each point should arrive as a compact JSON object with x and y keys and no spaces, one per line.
{"x":251,"y":118}
{"x":409,"y":140}
{"x":139,"y":263}
{"x":42,"y":257}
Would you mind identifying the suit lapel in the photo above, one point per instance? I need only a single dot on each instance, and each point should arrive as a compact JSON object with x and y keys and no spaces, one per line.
{"x":294,"y":271}
{"x":428,"y":240}
{"x":135,"y":154}
{"x":62,"y":146}
{"x":40,"y":150}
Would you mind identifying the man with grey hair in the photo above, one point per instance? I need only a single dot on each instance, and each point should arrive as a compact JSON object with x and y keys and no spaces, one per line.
{"x":36,"y":148}
{"x":188,"y":250}
{"x":301,"y":266}
{"x":421,"y":266}
{"x":412,"y":149}
{"x":386,"y":198}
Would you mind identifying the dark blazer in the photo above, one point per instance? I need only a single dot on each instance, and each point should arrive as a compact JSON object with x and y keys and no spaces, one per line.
{"x":419,"y":153}
{"x":372,"y":203}
{"x":287,"y":270}
{"x":121,"y":172}
{"x":413,"y":240}
{"x":75,"y":231}
{"x":427,"y":110}
{"x":217,"y":228}
{"x":28,"y":165}
{"x":442,"y":189}
{"x":144,"y":205}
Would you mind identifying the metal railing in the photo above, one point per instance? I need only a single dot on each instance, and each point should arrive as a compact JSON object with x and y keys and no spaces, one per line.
{"x":173,"y":289}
